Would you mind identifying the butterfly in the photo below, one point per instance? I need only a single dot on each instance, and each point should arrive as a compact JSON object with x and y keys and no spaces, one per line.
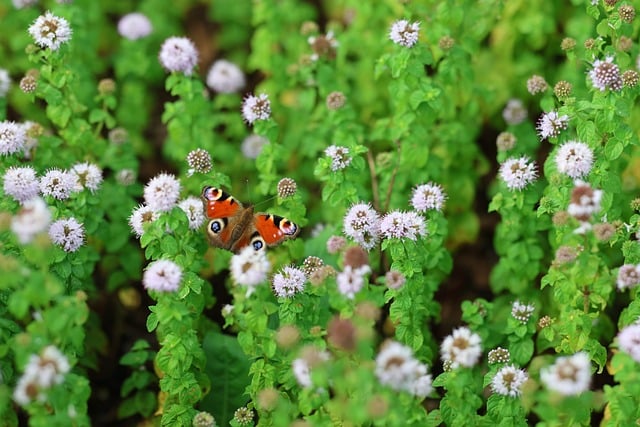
{"x":233,"y":226}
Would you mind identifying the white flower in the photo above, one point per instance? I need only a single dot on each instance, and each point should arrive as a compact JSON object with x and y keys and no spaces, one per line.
{"x":58,"y":184}
{"x":397,"y":368}
{"x":162,"y":276}
{"x":5,"y":82}
{"x":252,"y":145}
{"x":521,"y":312}
{"x":427,"y":197}
{"x":517,"y":173}
{"x":256,"y":108}
{"x":50,"y":31}
{"x":21,"y":4}
{"x":12,"y":138}
{"x":551,"y":124}
{"x":33,"y":218}
{"x":362,"y":224}
{"x":351,"y":280}
{"x":178,"y":54}
{"x":570,"y":375}
{"x":162,"y":192}
{"x":605,"y":75}
{"x":629,"y":341}
{"x":134,"y":26}
{"x":41,"y":373}
{"x":68,"y":233}
{"x":21,"y":183}
{"x":404,"y":33}
{"x":250,"y":268}
{"x":140,"y":216}
{"x":400,"y":225}
{"x":225,"y":77}
{"x":126,"y":177}
{"x":585,"y":201}
{"x":508,"y":381}
{"x":340,"y":157}
{"x":461,"y":348}
{"x":88,"y":175}
{"x":302,"y":372}
{"x":514,"y":112}
{"x":31,"y":131}
{"x":628,"y":276}
{"x":574,"y":159}
{"x":288,"y":282}
{"x":193,"y":208}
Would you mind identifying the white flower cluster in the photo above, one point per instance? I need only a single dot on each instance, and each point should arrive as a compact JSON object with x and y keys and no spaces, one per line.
{"x":42,"y":372}
{"x":397,"y":368}
{"x":461,"y":348}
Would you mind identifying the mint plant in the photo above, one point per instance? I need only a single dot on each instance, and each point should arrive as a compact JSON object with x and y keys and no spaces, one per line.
{"x":261,"y":213}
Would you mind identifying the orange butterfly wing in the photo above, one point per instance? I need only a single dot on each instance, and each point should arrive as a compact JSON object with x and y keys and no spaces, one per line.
{"x":219,"y":204}
{"x":275,"y":229}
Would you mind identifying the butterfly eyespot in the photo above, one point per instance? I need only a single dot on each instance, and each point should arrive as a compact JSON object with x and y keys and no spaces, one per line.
{"x":257,"y":243}
{"x":216,"y":226}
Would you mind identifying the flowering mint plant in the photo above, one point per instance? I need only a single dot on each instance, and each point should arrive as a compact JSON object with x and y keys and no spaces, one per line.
{"x":421,"y":240}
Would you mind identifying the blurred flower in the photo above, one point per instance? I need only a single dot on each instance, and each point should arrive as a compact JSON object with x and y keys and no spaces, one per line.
{"x":323,"y":46}
{"x":252,"y":145}
{"x":178,"y":54}
{"x":89,"y":176}
{"x":574,"y":159}
{"x":68,"y":233}
{"x":12,"y":138}
{"x":514,"y":112}
{"x":428,"y":196}
{"x":126,"y":177}
{"x":517,"y":173}
{"x":397,"y":368}
{"x":21,"y":183}
{"x":20,"y":4}
{"x":351,"y":280}
{"x":335,"y":244}
{"x":536,"y":84}
{"x":162,"y":276}
{"x":335,"y":100}
{"x":134,"y":26}
{"x":521,"y":312}
{"x":42,"y":372}
{"x":570,"y":375}
{"x":629,"y":341}
{"x":225,"y":77}
{"x":250,"y":268}
{"x":505,"y":141}
{"x":461,"y":348}
{"x":162,"y":192}
{"x":508,"y":381}
{"x":5,"y":82}
{"x":193,"y":208}
{"x":628,"y":277}
{"x":404,"y":33}
{"x":203,"y":419}
{"x":50,"y":31}
{"x":585,"y":201}
{"x":32,"y":218}
{"x":394,"y":279}
{"x":256,"y":108}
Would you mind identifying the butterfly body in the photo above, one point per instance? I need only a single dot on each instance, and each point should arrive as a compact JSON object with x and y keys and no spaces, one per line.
{"x":233,"y":226}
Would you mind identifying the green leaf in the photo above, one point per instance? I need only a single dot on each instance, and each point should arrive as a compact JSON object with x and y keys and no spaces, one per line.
{"x":228,"y":368}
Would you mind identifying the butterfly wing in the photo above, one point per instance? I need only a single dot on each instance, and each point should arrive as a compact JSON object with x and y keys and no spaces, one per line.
{"x":224,"y":213}
{"x":275,"y":229}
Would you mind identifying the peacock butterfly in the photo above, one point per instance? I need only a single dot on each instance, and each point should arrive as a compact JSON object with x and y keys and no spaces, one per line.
{"x":233,"y":226}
